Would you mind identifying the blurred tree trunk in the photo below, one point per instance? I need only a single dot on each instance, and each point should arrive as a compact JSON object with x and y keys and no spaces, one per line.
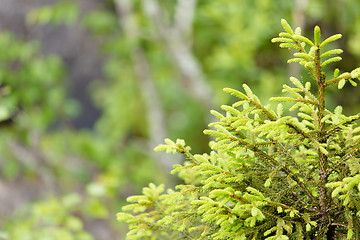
{"x":176,"y":37}
{"x":142,"y":69}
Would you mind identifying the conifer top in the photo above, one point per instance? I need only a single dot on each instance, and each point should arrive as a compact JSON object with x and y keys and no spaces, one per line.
{"x":269,"y":175}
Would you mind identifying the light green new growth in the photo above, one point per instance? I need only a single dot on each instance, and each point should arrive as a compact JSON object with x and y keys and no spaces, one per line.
{"x":269,"y":175}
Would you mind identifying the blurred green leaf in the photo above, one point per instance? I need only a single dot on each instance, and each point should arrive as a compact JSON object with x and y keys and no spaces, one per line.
{"x":59,"y":13}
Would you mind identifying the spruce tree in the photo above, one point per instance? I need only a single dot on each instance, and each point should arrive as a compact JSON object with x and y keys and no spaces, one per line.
{"x":271,"y":173}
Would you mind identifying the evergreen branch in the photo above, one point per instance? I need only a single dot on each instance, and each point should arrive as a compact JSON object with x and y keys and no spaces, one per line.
{"x":268,"y":176}
{"x":323,"y":159}
{"x":306,"y":136}
{"x":251,"y":230}
{"x":292,"y":91}
{"x":311,"y":96}
{"x":283,"y":168}
{"x":299,"y":60}
{"x":287,"y":27}
{"x":345,"y":76}
{"x":276,"y":204}
{"x":188,"y":155}
{"x":331,"y":52}
{"x":301,"y":100}
{"x":336,"y":127}
{"x":303,"y":39}
{"x":289,"y":157}
{"x":274,"y":216}
{"x":178,"y":168}
{"x":282,"y":39}
{"x":266,"y":144}
{"x":305,"y":56}
{"x":330,"y":39}
{"x":330,"y":60}
{"x":289,"y":45}
{"x":255,"y":102}
{"x":356,"y":149}
{"x":302,"y":50}
{"x":156,"y":227}
{"x":267,"y":113}
{"x":356,"y":227}
{"x":286,"y":35}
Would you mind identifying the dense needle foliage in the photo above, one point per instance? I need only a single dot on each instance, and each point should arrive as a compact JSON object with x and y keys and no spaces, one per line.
{"x":284,"y":173}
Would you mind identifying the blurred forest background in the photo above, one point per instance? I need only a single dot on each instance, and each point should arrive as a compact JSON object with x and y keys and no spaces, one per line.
{"x":88,"y":88}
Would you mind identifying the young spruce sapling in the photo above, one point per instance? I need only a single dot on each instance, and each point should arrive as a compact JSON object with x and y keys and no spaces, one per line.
{"x":269,"y":175}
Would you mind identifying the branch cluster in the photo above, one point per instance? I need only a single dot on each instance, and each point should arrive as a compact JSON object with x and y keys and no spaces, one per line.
{"x":269,"y":175}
